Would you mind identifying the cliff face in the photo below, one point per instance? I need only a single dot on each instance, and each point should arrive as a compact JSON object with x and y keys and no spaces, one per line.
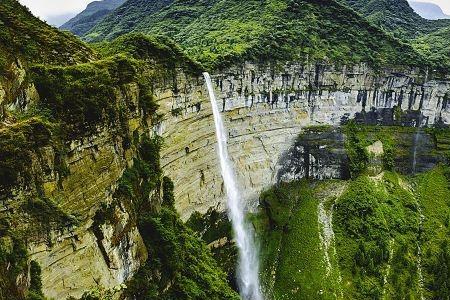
{"x":75,"y":253}
{"x":266,"y":108}
{"x":265,"y":111}
{"x":78,"y":259}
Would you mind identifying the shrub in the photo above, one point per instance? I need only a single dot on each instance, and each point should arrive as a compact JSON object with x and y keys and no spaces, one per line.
{"x":17,"y":143}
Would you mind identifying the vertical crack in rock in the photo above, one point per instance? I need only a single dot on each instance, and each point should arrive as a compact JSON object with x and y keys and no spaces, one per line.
{"x":99,"y":237}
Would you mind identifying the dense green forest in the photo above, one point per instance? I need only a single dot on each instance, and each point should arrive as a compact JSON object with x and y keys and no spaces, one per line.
{"x":396,"y":17}
{"x":218,"y":33}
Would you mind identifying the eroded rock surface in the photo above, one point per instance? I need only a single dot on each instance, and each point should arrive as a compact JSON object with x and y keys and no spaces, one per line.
{"x":266,"y":108}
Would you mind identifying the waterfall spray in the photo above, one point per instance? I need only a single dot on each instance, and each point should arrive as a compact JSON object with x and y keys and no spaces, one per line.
{"x":248,"y":265}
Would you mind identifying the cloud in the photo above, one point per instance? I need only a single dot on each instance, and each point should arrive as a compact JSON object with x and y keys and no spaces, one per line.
{"x":49,"y":8}
{"x":444,"y":4}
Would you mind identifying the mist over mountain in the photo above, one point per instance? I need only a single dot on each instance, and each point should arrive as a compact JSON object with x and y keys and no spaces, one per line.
{"x":428,"y":11}
{"x":58,"y":20}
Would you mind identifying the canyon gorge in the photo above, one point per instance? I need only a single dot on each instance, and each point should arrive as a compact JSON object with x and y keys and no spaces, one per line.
{"x":328,"y":179}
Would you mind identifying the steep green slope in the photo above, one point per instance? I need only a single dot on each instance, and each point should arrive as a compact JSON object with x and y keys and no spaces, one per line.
{"x":88,"y":18}
{"x":126,"y":18}
{"x":218,"y":32}
{"x":26,"y":37}
{"x":396,"y":16}
{"x":379,"y":235}
{"x":435,"y":46}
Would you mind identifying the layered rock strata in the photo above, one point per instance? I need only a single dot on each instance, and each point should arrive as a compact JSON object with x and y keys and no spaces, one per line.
{"x":265,"y":109}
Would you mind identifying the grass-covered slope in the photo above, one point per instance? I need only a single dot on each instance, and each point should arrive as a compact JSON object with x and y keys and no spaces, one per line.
{"x":88,"y":18}
{"x":436,"y":46}
{"x":26,"y":37}
{"x":379,"y":235}
{"x":217,"y":32}
{"x":158,"y":49}
{"x":396,"y":16}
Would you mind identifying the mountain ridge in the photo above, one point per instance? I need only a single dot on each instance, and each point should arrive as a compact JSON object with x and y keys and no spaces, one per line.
{"x":23,"y":35}
{"x":88,"y":18}
{"x":220,"y":32}
{"x":396,"y":16}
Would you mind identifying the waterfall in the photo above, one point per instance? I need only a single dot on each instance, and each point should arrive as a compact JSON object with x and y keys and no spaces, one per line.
{"x":416,"y":143}
{"x":248,"y":265}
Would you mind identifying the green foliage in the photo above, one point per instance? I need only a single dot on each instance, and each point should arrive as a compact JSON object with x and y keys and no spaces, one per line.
{"x":396,"y":142}
{"x":13,"y":262}
{"x":168,"y":197}
{"x":436,"y":46}
{"x":388,"y":155}
{"x":84,"y":96}
{"x":147,"y":101}
{"x":440,"y":267}
{"x":356,"y":149}
{"x":47,"y":214}
{"x":376,"y":244}
{"x":396,"y":17}
{"x":23,"y":35}
{"x":180,"y":266}
{"x":35,"y":279}
{"x":137,"y":182}
{"x":433,"y":194}
{"x":17,"y":143}
{"x":218,"y":33}
{"x":431,"y":38}
{"x":211,"y":226}
{"x":214,"y":227}
{"x":100,"y":293}
{"x":376,"y":225}
{"x":292,"y":263}
{"x":154,"y":48}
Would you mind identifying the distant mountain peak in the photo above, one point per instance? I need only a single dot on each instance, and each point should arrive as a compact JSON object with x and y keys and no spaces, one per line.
{"x":428,"y":10}
{"x":88,"y":18}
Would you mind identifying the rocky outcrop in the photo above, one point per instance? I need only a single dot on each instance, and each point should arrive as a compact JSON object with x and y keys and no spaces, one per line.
{"x":317,"y":154}
{"x":83,"y":257}
{"x":16,"y":91}
{"x":56,"y":205}
{"x":265,"y":109}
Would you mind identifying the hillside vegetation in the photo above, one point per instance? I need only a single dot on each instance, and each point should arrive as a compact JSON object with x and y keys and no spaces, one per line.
{"x":26,"y":37}
{"x":218,"y":32}
{"x":435,"y":46}
{"x":88,"y":18}
{"x":82,"y":91}
{"x":396,"y":17}
{"x":379,"y":235}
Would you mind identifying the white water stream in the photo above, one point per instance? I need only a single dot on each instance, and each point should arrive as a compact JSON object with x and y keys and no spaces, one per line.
{"x":248,"y":265}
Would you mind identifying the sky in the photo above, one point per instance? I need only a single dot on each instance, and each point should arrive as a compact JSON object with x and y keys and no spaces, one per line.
{"x":54,"y":10}
{"x":51,"y":10}
{"x":444,"y":4}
